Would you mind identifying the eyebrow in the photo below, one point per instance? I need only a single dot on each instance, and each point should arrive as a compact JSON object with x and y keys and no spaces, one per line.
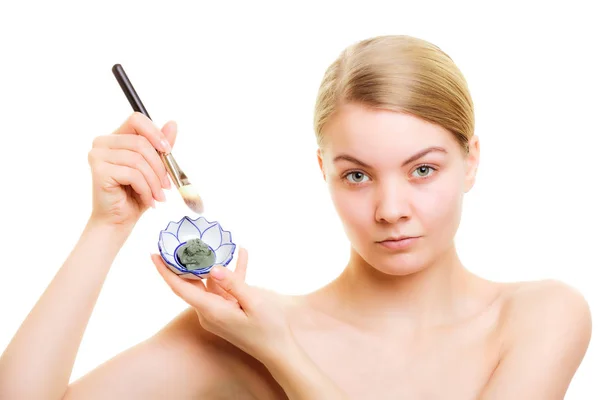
{"x":412,"y":158}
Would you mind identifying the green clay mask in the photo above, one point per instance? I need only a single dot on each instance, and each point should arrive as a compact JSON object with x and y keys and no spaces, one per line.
{"x":195,"y":254}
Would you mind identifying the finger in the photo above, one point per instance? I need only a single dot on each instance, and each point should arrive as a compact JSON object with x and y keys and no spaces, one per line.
{"x":127,"y":176}
{"x":168,"y":274}
{"x":140,"y":145}
{"x":208,"y":304}
{"x":213,"y":287}
{"x":240,"y":271}
{"x":141,"y":125}
{"x":170,"y":132}
{"x":136,"y":161}
{"x":241,"y":264}
{"x":233,"y":285}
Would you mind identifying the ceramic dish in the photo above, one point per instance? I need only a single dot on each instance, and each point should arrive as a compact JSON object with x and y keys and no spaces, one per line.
{"x":211,"y":233}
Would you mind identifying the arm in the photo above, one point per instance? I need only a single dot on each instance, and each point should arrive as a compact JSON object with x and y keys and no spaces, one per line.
{"x":181,"y":361}
{"x":38,"y":361}
{"x":128,"y":176}
{"x":548,"y":331}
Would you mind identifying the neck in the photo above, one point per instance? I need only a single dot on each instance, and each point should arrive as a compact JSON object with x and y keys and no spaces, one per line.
{"x":438,"y":294}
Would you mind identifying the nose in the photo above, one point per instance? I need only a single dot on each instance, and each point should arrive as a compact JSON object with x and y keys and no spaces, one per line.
{"x":392,"y":203}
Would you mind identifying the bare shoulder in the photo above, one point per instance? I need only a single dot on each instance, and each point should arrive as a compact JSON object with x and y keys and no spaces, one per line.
{"x":546,"y":329}
{"x":182,"y":360}
{"x":533,"y":307}
{"x":234,"y":373}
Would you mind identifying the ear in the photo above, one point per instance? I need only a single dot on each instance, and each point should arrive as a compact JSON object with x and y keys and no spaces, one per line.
{"x":320,"y":159}
{"x":472,"y":163}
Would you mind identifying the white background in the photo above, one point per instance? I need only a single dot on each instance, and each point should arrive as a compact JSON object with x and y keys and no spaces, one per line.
{"x":241,"y":79}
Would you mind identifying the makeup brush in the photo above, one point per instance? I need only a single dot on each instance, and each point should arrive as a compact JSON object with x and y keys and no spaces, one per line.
{"x":188,"y":192}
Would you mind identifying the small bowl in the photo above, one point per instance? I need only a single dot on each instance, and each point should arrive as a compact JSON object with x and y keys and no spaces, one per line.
{"x":211,"y":233}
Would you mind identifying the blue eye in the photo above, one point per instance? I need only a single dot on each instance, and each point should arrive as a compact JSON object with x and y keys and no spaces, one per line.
{"x":357,"y":175}
{"x":422,"y":171}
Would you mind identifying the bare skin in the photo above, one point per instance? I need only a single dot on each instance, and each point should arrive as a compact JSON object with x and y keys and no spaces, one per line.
{"x":456,"y":361}
{"x":397,"y":323}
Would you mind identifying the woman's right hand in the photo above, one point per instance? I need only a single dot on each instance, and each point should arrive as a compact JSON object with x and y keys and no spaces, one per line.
{"x":127,"y":172}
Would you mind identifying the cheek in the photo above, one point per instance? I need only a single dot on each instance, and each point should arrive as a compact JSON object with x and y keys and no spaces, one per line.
{"x":440,"y":208}
{"x":352,"y":207}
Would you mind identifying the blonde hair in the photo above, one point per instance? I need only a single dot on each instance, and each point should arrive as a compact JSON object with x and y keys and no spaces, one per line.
{"x":398,"y":73}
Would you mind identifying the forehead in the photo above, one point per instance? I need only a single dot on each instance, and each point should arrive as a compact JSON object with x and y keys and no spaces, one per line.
{"x":368,"y":132}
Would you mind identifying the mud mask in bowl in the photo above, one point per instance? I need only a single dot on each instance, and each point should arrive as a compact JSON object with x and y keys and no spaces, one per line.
{"x":191,"y":247}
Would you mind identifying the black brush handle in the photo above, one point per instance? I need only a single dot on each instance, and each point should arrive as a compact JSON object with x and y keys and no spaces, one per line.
{"x":177,"y":175}
{"x":128,"y":89}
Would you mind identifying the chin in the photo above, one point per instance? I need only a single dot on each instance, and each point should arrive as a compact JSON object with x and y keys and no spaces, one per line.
{"x":396,"y":264}
{"x":399,"y":265}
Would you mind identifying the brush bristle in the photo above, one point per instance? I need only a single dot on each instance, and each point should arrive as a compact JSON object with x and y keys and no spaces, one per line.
{"x":192,"y":198}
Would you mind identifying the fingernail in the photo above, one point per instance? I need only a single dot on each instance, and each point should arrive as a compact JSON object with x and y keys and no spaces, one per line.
{"x":217,"y":272}
{"x":161,"y":196}
{"x":165,"y":146}
{"x":153,"y":204}
{"x":166,"y":182}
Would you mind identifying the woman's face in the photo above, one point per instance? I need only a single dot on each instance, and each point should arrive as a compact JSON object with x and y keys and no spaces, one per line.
{"x":392,"y":175}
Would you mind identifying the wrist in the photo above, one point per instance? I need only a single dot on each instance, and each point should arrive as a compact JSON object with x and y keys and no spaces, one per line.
{"x":301,"y":378}
{"x":99,"y":227}
{"x":281,"y":360}
{"x":109,"y":237}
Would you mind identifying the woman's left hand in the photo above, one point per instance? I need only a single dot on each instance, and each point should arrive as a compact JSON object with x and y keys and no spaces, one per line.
{"x":245,"y":316}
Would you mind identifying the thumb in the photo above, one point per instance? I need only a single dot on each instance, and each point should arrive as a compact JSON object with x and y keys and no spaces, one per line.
{"x":232,"y":284}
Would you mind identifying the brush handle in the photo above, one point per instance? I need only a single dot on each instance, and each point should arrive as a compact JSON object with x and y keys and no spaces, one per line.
{"x":128,"y":89}
{"x":177,"y":175}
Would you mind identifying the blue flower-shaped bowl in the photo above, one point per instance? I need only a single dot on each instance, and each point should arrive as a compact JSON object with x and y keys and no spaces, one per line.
{"x":211,"y":233}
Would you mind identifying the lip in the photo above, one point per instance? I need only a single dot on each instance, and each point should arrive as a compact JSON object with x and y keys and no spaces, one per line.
{"x":399,"y":243}
{"x":394,"y":238}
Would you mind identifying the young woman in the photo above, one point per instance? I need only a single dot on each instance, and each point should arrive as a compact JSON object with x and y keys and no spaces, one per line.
{"x":405,"y":320}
